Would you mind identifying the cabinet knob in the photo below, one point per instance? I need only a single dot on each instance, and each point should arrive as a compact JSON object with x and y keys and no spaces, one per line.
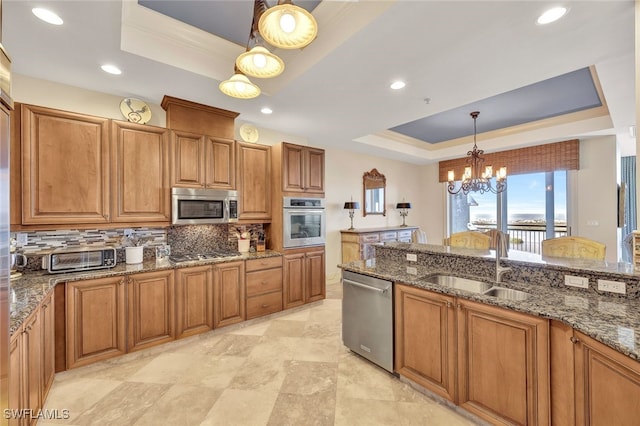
{"x":45,"y":305}
{"x":448,"y":304}
{"x":574,"y":340}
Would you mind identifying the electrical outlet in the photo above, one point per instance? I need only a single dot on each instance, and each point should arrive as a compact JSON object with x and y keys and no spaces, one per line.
{"x":573,"y":281}
{"x":412,"y":271}
{"x":412,"y":257}
{"x":128,"y":232}
{"x":612,"y":286}
{"x":21,"y":238}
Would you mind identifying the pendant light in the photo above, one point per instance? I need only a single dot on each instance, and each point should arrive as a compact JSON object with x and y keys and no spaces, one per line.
{"x":287,"y":26}
{"x":239,"y":86}
{"x":473,"y":179}
{"x":258,"y":61}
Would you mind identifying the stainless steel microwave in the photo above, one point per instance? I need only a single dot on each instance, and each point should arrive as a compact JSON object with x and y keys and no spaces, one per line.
{"x":191,"y":206}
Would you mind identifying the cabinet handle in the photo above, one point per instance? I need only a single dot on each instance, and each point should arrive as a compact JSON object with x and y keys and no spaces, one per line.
{"x":45,"y":305}
{"x":264,"y":305}
{"x":264,"y":283}
{"x":574,"y":340}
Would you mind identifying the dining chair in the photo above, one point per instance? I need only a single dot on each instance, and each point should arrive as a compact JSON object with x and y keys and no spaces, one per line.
{"x":574,"y":247}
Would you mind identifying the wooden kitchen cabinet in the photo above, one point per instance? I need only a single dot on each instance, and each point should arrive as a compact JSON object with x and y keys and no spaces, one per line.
{"x":228,"y":294}
{"x":425,"y":339}
{"x":31,"y":363}
{"x":65,"y":167}
{"x":254,"y":181}
{"x":263,"y":280}
{"x":202,"y":161}
{"x":302,"y":169}
{"x":140,"y":173}
{"x":503,"y":364}
{"x":95,"y":320}
{"x":15,"y":397}
{"x":304,"y":276}
{"x":607,"y":384}
{"x":150,"y":303}
{"x":194,"y":300}
{"x":48,"y":347}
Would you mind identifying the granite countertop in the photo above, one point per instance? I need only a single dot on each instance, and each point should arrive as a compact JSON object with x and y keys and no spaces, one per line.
{"x":610,"y":320}
{"x":27,"y":292}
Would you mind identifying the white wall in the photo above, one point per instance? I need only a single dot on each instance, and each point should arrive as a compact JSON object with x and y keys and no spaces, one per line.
{"x":596,"y":215}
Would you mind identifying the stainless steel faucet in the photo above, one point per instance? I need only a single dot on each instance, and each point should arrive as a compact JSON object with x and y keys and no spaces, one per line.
{"x":501,"y":250}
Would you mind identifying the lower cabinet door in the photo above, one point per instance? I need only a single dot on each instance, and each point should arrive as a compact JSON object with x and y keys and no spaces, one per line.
{"x":95,"y":325}
{"x":293,"y":280}
{"x":607,"y":385}
{"x":425,"y":340}
{"x":314,"y":276}
{"x":15,"y":376}
{"x":228,"y":294}
{"x":503,"y":364}
{"x":48,"y":319}
{"x":150,"y":301}
{"x":194,"y":300}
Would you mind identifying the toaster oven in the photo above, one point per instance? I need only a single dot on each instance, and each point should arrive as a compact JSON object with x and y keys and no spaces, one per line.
{"x":79,"y":259}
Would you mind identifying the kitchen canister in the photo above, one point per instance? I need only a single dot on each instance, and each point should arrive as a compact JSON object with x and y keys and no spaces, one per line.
{"x":243,"y":245}
{"x":133,"y":254}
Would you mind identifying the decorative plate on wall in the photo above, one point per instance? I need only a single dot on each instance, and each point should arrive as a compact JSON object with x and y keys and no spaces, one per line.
{"x":249,"y":133}
{"x":135,"y":110}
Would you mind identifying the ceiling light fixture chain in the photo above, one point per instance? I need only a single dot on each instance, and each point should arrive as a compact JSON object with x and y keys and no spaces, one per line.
{"x":473,"y":180}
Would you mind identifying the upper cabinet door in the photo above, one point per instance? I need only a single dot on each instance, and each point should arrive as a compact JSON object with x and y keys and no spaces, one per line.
{"x":140,"y":173}
{"x":302,"y":169}
{"x":65,"y":167}
{"x":254,"y":181}
{"x":188,"y":168}
{"x":219,"y":164}
{"x":314,"y":170}
{"x":292,"y":168}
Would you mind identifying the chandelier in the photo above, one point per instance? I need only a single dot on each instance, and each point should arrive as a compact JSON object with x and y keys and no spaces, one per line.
{"x":473,"y":180}
{"x":286,"y":26}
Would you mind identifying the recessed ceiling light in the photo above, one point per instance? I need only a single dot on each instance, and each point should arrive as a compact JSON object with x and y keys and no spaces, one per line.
{"x":552,"y":15}
{"x":47,"y":16}
{"x":397,"y":85}
{"x":111,"y":69}
{"x":266,"y":110}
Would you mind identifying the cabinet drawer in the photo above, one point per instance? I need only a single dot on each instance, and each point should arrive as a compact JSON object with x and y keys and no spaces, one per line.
{"x":269,"y":303}
{"x":404,"y":235}
{"x":370,"y":238}
{"x":264,"y":281}
{"x":264,"y":263}
{"x":388,"y":236}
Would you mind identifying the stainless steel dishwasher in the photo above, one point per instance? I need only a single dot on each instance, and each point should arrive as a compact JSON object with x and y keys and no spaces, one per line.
{"x":367,"y":317}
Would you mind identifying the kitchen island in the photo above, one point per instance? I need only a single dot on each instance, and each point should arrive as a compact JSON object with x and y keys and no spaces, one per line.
{"x":560,"y":355}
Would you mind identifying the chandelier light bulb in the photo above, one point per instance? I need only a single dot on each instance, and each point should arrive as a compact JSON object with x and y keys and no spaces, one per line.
{"x":287,"y":23}
{"x":259,"y":60}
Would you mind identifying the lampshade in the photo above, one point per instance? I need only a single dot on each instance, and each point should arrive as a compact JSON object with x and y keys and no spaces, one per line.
{"x":351,"y":205}
{"x":239,"y":86}
{"x":259,"y":62}
{"x":287,"y":26}
{"x":403,"y":205}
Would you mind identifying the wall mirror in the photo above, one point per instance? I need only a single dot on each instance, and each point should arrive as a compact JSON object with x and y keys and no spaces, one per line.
{"x":374,"y":186}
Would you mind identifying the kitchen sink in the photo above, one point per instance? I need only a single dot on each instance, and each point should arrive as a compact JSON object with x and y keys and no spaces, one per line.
{"x":506,"y":293}
{"x":458,"y":283}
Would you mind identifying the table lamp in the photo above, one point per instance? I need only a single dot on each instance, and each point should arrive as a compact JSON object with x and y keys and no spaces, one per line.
{"x":351,"y":206}
{"x":404,"y":211}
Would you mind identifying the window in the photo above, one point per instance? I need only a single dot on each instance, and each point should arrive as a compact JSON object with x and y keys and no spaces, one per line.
{"x":534,"y":205}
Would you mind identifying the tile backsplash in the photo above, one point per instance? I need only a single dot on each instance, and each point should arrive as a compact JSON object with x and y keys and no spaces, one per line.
{"x":182,"y":239}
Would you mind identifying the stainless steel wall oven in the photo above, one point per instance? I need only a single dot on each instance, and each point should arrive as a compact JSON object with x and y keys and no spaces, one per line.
{"x":304,"y":222}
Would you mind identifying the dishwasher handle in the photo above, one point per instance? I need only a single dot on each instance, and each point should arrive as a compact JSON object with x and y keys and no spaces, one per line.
{"x":367,"y":287}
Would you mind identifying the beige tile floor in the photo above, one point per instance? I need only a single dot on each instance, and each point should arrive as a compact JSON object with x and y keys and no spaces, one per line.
{"x":287,"y":369}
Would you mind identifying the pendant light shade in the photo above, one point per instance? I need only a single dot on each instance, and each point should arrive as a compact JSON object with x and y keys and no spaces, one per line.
{"x":287,"y":26}
{"x":239,"y":86}
{"x":259,"y":62}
